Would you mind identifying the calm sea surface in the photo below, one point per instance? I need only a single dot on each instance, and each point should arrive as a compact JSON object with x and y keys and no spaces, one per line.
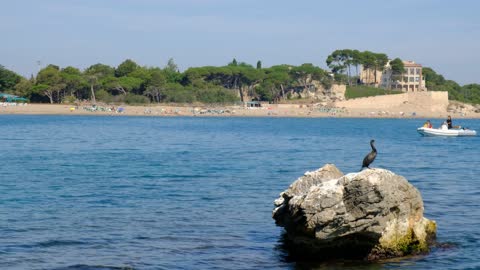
{"x":197,"y":193}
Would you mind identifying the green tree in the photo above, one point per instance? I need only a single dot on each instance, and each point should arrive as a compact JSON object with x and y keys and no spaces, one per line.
{"x":156,"y":86}
{"x":240,"y":77}
{"x":123,"y":85}
{"x":432,"y":79}
{"x":281,"y":79}
{"x":74,"y":80}
{"x":171,"y":66}
{"x":276,"y":80}
{"x":233,"y":63}
{"x":436,"y":82}
{"x":100,"y":70}
{"x":51,"y":81}
{"x":248,"y":77}
{"x":95,"y":74}
{"x":380,"y":62}
{"x":142,"y":73}
{"x":259,"y":64}
{"x":341,"y":61}
{"x":171,"y":72}
{"x":195,"y":77}
{"x":24,"y":88}
{"x":125,"y":68}
{"x":8,"y":79}
{"x":305,"y":73}
{"x":356,"y":61}
{"x":397,"y":70}
{"x":471,"y":93}
{"x":338,"y":61}
{"x":38,"y":91}
{"x":368,"y":63}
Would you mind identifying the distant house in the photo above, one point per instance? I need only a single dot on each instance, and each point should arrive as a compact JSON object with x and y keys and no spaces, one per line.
{"x":411,"y":80}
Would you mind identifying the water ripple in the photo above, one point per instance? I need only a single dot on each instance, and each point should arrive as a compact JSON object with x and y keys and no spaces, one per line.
{"x":197,"y":193}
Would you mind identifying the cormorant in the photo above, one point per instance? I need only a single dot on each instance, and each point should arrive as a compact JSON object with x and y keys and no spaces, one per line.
{"x":370,"y":157}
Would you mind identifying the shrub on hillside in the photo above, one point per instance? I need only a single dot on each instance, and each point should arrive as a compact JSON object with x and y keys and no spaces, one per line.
{"x":136,"y":99}
{"x":216,"y":95}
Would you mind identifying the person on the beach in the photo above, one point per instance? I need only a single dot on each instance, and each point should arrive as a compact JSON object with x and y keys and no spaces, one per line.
{"x":449,"y":122}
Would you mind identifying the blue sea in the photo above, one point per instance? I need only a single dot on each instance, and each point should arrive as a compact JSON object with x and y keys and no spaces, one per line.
{"x":81,"y":192}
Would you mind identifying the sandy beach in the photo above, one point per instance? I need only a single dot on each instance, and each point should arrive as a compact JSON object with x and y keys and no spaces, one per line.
{"x":274,"y":110}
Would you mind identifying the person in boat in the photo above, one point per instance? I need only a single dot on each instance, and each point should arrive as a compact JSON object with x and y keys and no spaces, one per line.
{"x":427,"y":124}
{"x":449,"y":122}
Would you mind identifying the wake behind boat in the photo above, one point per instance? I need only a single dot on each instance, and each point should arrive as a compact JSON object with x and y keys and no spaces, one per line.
{"x":444,"y":131}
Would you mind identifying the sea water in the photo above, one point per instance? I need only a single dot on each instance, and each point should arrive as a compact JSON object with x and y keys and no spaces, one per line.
{"x":197,"y":193}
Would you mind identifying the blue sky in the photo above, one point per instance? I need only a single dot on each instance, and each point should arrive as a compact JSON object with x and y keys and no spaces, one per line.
{"x":441,"y":34}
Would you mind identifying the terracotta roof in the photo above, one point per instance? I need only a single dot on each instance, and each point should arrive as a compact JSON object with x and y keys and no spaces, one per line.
{"x":411,"y":64}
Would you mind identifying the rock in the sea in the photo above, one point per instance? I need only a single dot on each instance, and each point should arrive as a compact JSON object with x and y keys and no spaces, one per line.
{"x":372,"y":214}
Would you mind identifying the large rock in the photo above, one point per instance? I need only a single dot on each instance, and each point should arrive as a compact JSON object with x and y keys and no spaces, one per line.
{"x":372,"y":214}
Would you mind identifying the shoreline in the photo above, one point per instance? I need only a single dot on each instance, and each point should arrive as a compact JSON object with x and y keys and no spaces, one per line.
{"x":301,"y":111}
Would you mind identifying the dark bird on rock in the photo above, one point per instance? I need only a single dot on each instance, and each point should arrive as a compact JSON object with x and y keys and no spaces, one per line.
{"x":370,"y":157}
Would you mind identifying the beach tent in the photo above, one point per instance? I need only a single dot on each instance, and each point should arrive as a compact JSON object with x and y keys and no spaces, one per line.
{"x":12,"y":98}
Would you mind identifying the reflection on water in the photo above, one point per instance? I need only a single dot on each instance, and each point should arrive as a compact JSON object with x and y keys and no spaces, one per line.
{"x":300,"y":251}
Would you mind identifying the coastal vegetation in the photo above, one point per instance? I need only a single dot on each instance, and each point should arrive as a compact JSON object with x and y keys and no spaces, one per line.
{"x":469,"y":93}
{"x":344,"y":62}
{"x":132,"y":83}
{"x":358,"y":91}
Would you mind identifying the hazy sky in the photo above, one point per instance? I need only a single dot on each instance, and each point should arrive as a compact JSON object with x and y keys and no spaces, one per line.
{"x":441,"y":34}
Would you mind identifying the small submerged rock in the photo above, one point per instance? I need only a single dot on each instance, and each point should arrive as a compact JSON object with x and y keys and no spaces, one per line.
{"x":373,"y":214}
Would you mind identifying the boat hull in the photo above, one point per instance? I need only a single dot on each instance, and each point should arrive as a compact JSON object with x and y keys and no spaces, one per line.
{"x":446,"y":132}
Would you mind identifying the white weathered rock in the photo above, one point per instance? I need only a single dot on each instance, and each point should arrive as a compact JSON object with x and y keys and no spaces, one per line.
{"x":374,"y":213}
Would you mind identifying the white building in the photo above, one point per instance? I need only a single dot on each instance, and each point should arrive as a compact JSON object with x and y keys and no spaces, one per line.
{"x":411,"y":80}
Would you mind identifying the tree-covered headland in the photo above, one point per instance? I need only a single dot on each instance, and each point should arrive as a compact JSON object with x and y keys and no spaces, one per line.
{"x":132,"y":83}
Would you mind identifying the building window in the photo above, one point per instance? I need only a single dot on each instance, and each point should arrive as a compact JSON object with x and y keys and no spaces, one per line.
{"x":411,"y":79}
{"x":406,"y":71}
{"x":418,"y":71}
{"x":417,"y":79}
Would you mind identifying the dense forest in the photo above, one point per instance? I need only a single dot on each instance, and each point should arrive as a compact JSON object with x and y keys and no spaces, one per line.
{"x":132,"y":83}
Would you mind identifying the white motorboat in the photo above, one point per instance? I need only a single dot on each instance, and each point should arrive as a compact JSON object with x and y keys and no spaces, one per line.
{"x":444,"y":131}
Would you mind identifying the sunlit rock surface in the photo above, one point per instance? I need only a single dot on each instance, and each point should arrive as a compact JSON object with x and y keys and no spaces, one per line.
{"x":372,"y":214}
